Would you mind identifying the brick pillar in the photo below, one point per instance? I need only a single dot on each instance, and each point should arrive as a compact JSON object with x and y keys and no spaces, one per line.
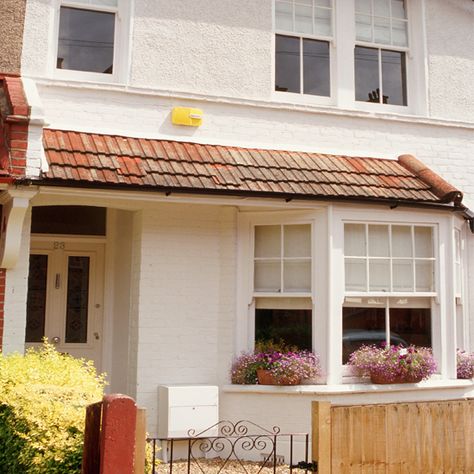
{"x":2,"y":302}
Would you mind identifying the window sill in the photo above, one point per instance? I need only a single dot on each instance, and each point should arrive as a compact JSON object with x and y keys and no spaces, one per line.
{"x":346,"y":389}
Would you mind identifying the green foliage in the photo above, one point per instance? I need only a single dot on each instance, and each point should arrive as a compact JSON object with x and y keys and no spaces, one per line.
{"x":43,"y":396}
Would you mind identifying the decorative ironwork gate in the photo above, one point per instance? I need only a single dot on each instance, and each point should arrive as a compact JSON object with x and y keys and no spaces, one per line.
{"x":227,"y":443}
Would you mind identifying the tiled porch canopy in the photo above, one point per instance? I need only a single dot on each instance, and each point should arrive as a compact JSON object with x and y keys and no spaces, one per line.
{"x":114,"y":161}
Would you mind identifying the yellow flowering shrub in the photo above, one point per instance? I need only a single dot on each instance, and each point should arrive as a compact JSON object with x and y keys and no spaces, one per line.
{"x":43,"y":396}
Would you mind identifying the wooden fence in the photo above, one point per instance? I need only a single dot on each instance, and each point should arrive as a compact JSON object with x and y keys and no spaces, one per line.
{"x":414,"y":438}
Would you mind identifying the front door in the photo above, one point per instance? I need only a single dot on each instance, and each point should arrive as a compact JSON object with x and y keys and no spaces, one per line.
{"x":65,"y":293}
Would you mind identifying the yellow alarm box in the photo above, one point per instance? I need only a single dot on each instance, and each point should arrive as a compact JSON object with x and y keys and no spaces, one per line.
{"x":186,"y":116}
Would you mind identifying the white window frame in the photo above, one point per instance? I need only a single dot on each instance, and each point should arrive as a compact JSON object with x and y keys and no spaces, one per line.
{"x":121,"y":43}
{"x":342,"y":71}
{"x":301,"y":97}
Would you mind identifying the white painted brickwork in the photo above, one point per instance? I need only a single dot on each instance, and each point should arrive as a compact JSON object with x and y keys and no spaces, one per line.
{"x":185,"y":297}
{"x":15,"y":296}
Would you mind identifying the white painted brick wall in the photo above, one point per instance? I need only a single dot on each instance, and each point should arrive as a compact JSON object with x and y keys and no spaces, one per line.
{"x":185,"y":298}
{"x":15,"y":296}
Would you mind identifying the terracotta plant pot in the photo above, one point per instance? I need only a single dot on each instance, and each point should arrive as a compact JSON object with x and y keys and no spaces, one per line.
{"x":265,"y":377}
{"x":379,"y":379}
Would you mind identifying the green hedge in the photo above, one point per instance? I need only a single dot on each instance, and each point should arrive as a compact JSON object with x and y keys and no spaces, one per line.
{"x":43,"y":396}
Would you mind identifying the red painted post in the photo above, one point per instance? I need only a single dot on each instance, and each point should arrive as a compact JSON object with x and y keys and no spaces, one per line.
{"x":117,"y":443}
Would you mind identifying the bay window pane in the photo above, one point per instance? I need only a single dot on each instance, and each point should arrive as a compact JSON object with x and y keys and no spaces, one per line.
{"x":354,"y":240}
{"x":379,"y":275}
{"x":381,"y":30}
{"x":284,"y":16}
{"x":287,"y":64}
{"x":363,"y":6}
{"x":297,"y":276}
{"x":399,"y":33}
{"x":297,"y":240}
{"x":356,"y":274}
{"x":398,"y":9}
{"x":401,"y":241}
{"x":316,"y":67}
{"x":303,"y":19}
{"x":363,"y":27}
{"x":423,"y":242}
{"x":292,"y":326}
{"x":402,"y":275}
{"x":86,"y":40}
{"x":412,"y":325}
{"x":424,"y":275}
{"x":394,"y":77}
{"x":322,"y":21}
{"x":267,"y":276}
{"x":361,"y":326}
{"x":323,"y":3}
{"x":268,"y":241}
{"x":367,"y":86}
{"x":379,"y":244}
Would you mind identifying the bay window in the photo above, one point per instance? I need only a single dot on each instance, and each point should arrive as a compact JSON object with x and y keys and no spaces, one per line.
{"x":389,"y":285}
{"x":282,"y":284}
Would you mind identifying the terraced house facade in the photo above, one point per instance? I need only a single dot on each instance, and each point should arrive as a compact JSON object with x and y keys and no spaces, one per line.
{"x":199,"y":175}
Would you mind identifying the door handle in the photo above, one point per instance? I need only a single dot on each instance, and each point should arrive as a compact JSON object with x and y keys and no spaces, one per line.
{"x":55,"y":340}
{"x":57,"y":281}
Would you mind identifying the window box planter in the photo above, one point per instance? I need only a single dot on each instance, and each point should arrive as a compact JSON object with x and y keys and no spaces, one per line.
{"x":380,"y":379}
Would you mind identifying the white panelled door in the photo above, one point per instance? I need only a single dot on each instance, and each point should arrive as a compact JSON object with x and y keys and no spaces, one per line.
{"x":65,"y":297}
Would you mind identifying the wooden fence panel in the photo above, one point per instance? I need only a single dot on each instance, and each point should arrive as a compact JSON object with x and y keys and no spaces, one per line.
{"x":399,"y":438}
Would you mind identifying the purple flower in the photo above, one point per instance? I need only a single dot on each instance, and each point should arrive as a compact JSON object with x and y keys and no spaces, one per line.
{"x":465,"y":364}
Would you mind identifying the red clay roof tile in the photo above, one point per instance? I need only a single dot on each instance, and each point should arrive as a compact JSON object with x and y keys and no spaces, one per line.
{"x":108,"y":160}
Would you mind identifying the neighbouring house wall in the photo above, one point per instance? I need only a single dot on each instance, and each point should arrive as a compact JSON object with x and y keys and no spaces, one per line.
{"x":450,"y":43}
{"x":16,"y":289}
{"x":12,"y":15}
{"x":119,"y":251}
{"x":185,"y":295}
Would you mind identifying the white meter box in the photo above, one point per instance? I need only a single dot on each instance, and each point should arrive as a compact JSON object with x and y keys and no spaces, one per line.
{"x":187,"y":407}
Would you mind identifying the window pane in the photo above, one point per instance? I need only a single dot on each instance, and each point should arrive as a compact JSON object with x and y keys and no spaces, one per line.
{"x":401,"y":241}
{"x":303,"y":19}
{"x":363,"y":6}
{"x":394,"y":78}
{"x":268,"y":241}
{"x":323,"y":3}
{"x":316,"y":67}
{"x":403,"y":275}
{"x":367,"y":74}
{"x":36,"y":302}
{"x":284,"y":16}
{"x":107,"y":3}
{"x":363,"y":27}
{"x":382,"y":8}
{"x":86,"y":40}
{"x":322,"y":21}
{"x":354,"y":240}
{"x":398,"y":9}
{"x":361,"y":326}
{"x":297,"y":276}
{"x":399,"y":33}
{"x":293,"y":326}
{"x":379,"y":275}
{"x":287,"y":64}
{"x":297,"y":240}
{"x":423,"y":242}
{"x":412,"y":325}
{"x":356,"y":274}
{"x":77,"y":307}
{"x":424,"y":275}
{"x":381,"y":30}
{"x":379,"y":245}
{"x":267,"y":276}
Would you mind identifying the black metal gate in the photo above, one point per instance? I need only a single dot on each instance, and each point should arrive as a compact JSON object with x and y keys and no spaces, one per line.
{"x":230,"y":446}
